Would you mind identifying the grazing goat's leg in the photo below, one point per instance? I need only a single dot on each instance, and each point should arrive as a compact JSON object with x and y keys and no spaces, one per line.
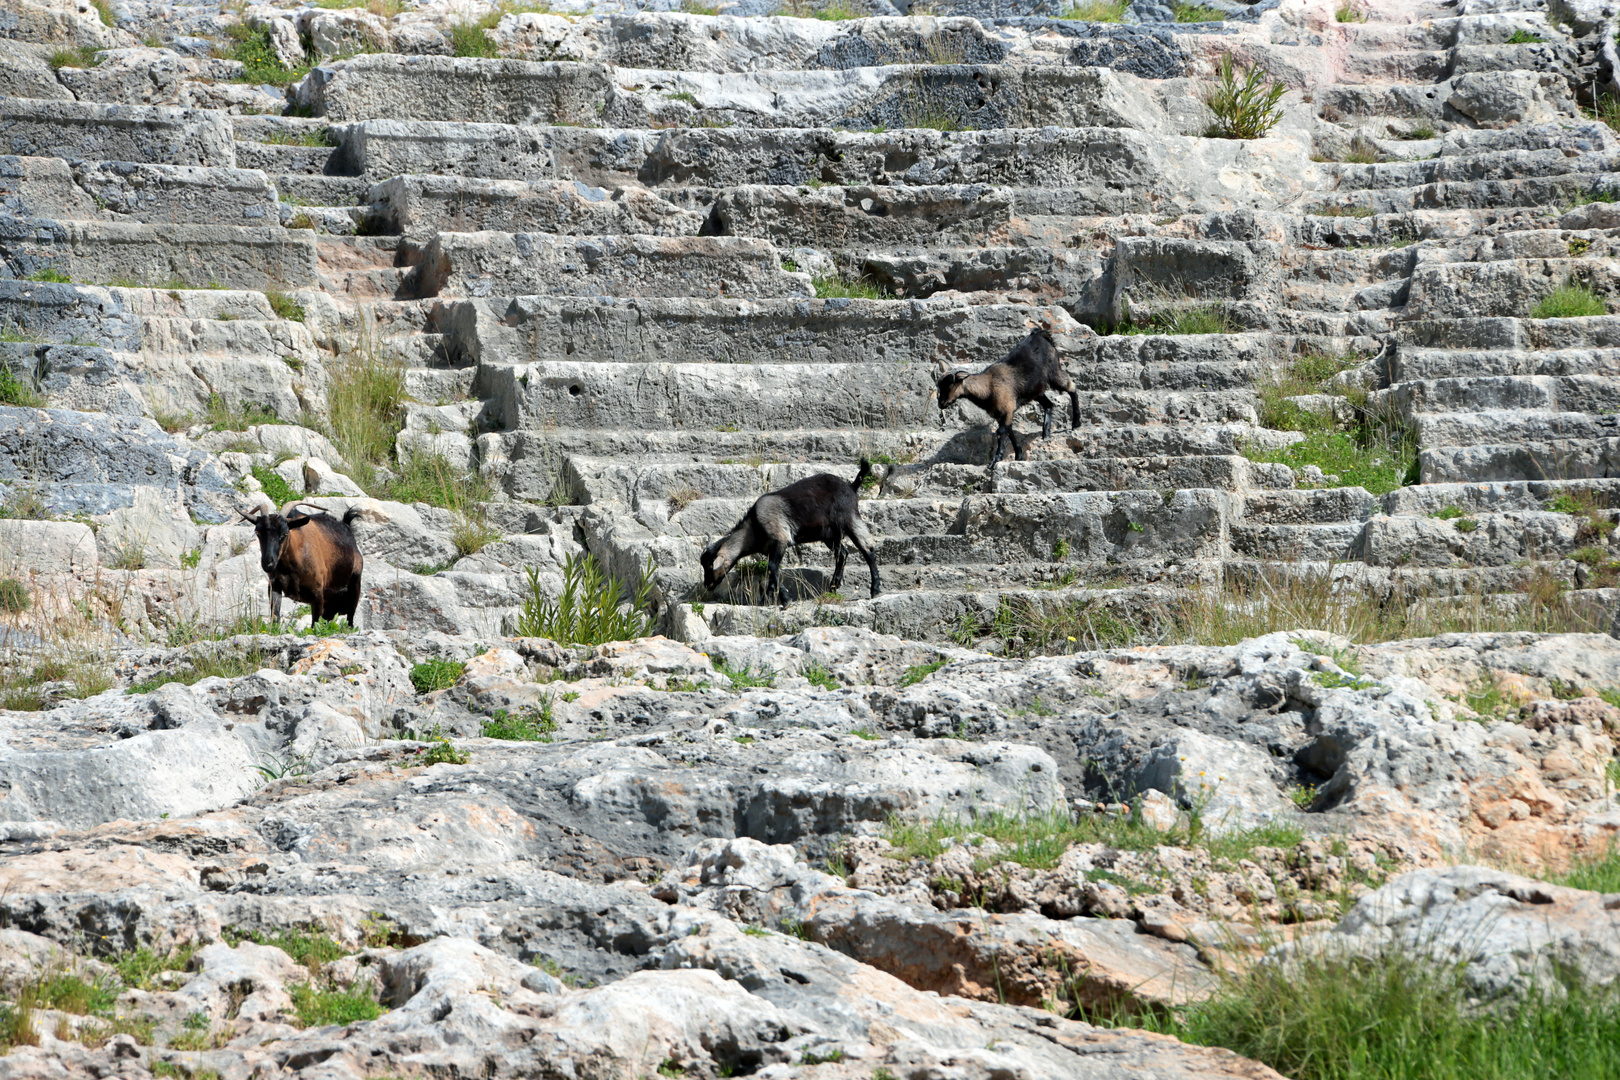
{"x":1074,"y":406}
{"x":774,"y":585}
{"x":863,"y":543}
{"x":1046,"y":416}
{"x":838,"y":563}
{"x":275,"y":605}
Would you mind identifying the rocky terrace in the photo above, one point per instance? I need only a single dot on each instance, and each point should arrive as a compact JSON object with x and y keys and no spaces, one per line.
{"x":1301,"y":639}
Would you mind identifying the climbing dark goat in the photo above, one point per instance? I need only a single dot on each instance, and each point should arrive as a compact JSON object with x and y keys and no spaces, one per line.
{"x":818,"y":509}
{"x":1024,"y":375}
{"x":311,"y":558}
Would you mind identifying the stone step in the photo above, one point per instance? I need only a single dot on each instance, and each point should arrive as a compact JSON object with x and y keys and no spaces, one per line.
{"x":419,"y":207}
{"x":1588,"y":332}
{"x":1499,"y":165}
{"x":139,"y":133}
{"x":1501,"y":497}
{"x":83,"y":378}
{"x":1079,"y":170}
{"x":281,"y":159}
{"x":1418,"y":363}
{"x":726,"y":331}
{"x":528,"y":463}
{"x":479,"y":264}
{"x":1575,"y":136}
{"x":472,"y":90}
{"x":1505,"y":286}
{"x":1485,"y":540}
{"x":303,"y":190}
{"x":1318,"y":506}
{"x":676,"y":41}
{"x":1541,"y":452}
{"x":107,"y":252}
{"x":771,"y":396}
{"x":1546,"y":195}
{"x":927,"y":614}
{"x":1526,"y":394}
{"x":1482,"y":427}
{"x":1334,"y":541}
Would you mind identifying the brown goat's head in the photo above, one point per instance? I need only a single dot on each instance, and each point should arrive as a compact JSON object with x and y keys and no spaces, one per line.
{"x":949,"y":386}
{"x":273,"y":530}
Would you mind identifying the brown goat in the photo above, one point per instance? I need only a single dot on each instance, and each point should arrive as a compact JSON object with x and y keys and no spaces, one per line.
{"x":312,"y":558}
{"x":1024,"y":375}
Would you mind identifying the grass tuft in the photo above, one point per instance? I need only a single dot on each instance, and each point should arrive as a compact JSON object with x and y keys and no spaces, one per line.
{"x":840,"y":287}
{"x":1103,"y":11}
{"x":14,"y":391}
{"x":431,"y":675}
{"x":532,"y":724}
{"x":1397,"y":1015}
{"x":1571,"y":300}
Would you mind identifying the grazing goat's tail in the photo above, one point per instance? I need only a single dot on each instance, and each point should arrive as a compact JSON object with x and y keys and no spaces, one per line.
{"x":349,"y":517}
{"x":860,"y":477}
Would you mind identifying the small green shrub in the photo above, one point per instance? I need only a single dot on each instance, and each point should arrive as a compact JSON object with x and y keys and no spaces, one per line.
{"x":470,"y":39}
{"x":595,"y":606}
{"x":50,"y":274}
{"x":1350,"y":13}
{"x":13,"y":391}
{"x":73,"y":993}
{"x":818,"y":675}
{"x":278,"y":490}
{"x":14,"y":597}
{"x":284,"y":306}
{"x":1525,"y":37}
{"x":533,"y":724}
{"x":319,"y":1008}
{"x":258,"y":58}
{"x":918,"y":672}
{"x":744,"y":678}
{"x":1418,"y":131}
{"x":442,"y":753}
{"x":431,"y":675}
{"x":139,"y":968}
{"x":1571,"y":300}
{"x":1195,"y":13}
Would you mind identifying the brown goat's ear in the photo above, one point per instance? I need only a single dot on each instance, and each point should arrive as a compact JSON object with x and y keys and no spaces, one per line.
{"x":295,"y":522}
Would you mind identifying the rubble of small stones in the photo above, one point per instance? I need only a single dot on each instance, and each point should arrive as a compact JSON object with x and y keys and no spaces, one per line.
{"x":635,"y":265}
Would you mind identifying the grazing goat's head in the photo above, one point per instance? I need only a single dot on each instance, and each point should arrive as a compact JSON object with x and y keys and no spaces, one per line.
{"x":949,"y":384}
{"x":715,"y":568}
{"x":273,"y":530}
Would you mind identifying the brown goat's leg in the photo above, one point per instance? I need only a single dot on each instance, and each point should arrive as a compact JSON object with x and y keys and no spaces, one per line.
{"x":1074,"y":406}
{"x":351,"y":600}
{"x":275,"y":605}
{"x":1019,"y":449}
{"x":1046,"y":416}
{"x":838,"y":563}
{"x":1002,"y":432}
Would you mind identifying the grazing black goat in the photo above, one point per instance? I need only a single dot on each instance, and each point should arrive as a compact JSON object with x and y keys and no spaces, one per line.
{"x":1024,"y":375}
{"x":818,"y":509}
{"x":311,"y":558}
